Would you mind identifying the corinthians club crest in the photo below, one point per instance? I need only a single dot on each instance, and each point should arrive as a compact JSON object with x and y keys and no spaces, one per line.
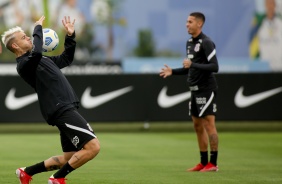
{"x":75,"y":141}
{"x":197,"y":47}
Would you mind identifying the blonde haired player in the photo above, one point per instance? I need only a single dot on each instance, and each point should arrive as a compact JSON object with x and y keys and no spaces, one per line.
{"x":58,"y":101}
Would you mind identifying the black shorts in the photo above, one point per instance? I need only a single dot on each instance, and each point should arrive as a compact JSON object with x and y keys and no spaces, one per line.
{"x":75,"y":132}
{"x":202,"y":103}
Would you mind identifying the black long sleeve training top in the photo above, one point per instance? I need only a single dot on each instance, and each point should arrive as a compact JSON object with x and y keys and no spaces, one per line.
{"x":43,"y":73}
{"x":201,"y":51}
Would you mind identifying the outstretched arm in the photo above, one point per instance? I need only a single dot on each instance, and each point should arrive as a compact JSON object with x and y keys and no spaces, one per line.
{"x":66,"y":58}
{"x":30,"y":64}
{"x":165,"y":72}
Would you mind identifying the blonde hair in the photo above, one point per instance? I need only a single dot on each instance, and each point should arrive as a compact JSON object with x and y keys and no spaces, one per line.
{"x":7,"y":36}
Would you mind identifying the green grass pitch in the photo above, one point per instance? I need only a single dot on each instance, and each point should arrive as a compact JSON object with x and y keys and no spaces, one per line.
{"x":152,"y":158}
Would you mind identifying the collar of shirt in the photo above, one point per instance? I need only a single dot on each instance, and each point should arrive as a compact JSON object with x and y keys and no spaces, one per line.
{"x":198,"y":37}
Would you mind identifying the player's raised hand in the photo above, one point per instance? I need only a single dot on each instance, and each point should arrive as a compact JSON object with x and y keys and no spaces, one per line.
{"x":69,"y":26}
{"x":40,"y":21}
{"x":165,"y":72}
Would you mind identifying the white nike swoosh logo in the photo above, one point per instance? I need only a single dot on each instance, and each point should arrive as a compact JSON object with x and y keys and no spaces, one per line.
{"x":242,"y":101}
{"x":14,"y":103}
{"x":88,"y":101}
{"x":166,"y":101}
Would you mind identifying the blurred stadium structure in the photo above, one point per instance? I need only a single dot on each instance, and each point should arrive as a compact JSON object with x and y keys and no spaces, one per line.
{"x":107,"y":30}
{"x":107,"y":36}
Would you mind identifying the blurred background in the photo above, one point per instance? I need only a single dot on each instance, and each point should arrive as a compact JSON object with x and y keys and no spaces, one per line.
{"x":117,"y":30}
{"x":123,"y":44}
{"x":121,"y":47}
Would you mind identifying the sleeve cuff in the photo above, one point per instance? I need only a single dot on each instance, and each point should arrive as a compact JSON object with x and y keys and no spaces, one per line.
{"x":72,"y":36}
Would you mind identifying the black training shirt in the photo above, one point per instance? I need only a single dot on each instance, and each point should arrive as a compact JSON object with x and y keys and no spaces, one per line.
{"x":201,"y":51}
{"x":43,"y":73}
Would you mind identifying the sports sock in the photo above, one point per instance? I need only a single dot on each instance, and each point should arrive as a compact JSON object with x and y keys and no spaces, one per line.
{"x":204,"y":157}
{"x":34,"y":169}
{"x":65,"y":170}
{"x":213,"y":158}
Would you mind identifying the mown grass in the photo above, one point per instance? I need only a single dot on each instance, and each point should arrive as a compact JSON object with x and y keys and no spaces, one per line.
{"x":222,"y":126}
{"x":152,"y":158}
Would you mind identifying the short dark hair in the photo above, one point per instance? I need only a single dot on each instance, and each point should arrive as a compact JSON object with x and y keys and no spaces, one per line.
{"x":199,"y":15}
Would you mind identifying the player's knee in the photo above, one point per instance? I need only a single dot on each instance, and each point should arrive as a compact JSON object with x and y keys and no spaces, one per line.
{"x":198,"y":127}
{"x":93,"y":148}
{"x":96,"y":147}
{"x":210,"y":128}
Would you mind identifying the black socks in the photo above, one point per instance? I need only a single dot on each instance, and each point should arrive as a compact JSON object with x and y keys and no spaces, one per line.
{"x":65,"y":170}
{"x":34,"y":169}
{"x":204,"y":157}
{"x":213,"y":158}
{"x":40,"y":167}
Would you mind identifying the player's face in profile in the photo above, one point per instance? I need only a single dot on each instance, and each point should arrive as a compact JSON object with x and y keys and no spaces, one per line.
{"x":22,"y":41}
{"x":191,"y":25}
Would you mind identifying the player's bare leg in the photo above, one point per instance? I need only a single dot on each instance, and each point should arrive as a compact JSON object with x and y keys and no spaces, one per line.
{"x":202,"y":135}
{"x":202,"y":138}
{"x":56,"y":162}
{"x":210,"y":128}
{"x":89,"y":151}
{"x":79,"y":158}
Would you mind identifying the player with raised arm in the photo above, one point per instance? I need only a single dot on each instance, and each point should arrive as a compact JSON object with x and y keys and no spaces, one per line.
{"x":58,"y":101}
{"x":200,"y":64}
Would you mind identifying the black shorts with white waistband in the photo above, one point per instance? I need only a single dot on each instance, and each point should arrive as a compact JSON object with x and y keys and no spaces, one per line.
{"x":202,"y":103}
{"x":75,"y":132}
